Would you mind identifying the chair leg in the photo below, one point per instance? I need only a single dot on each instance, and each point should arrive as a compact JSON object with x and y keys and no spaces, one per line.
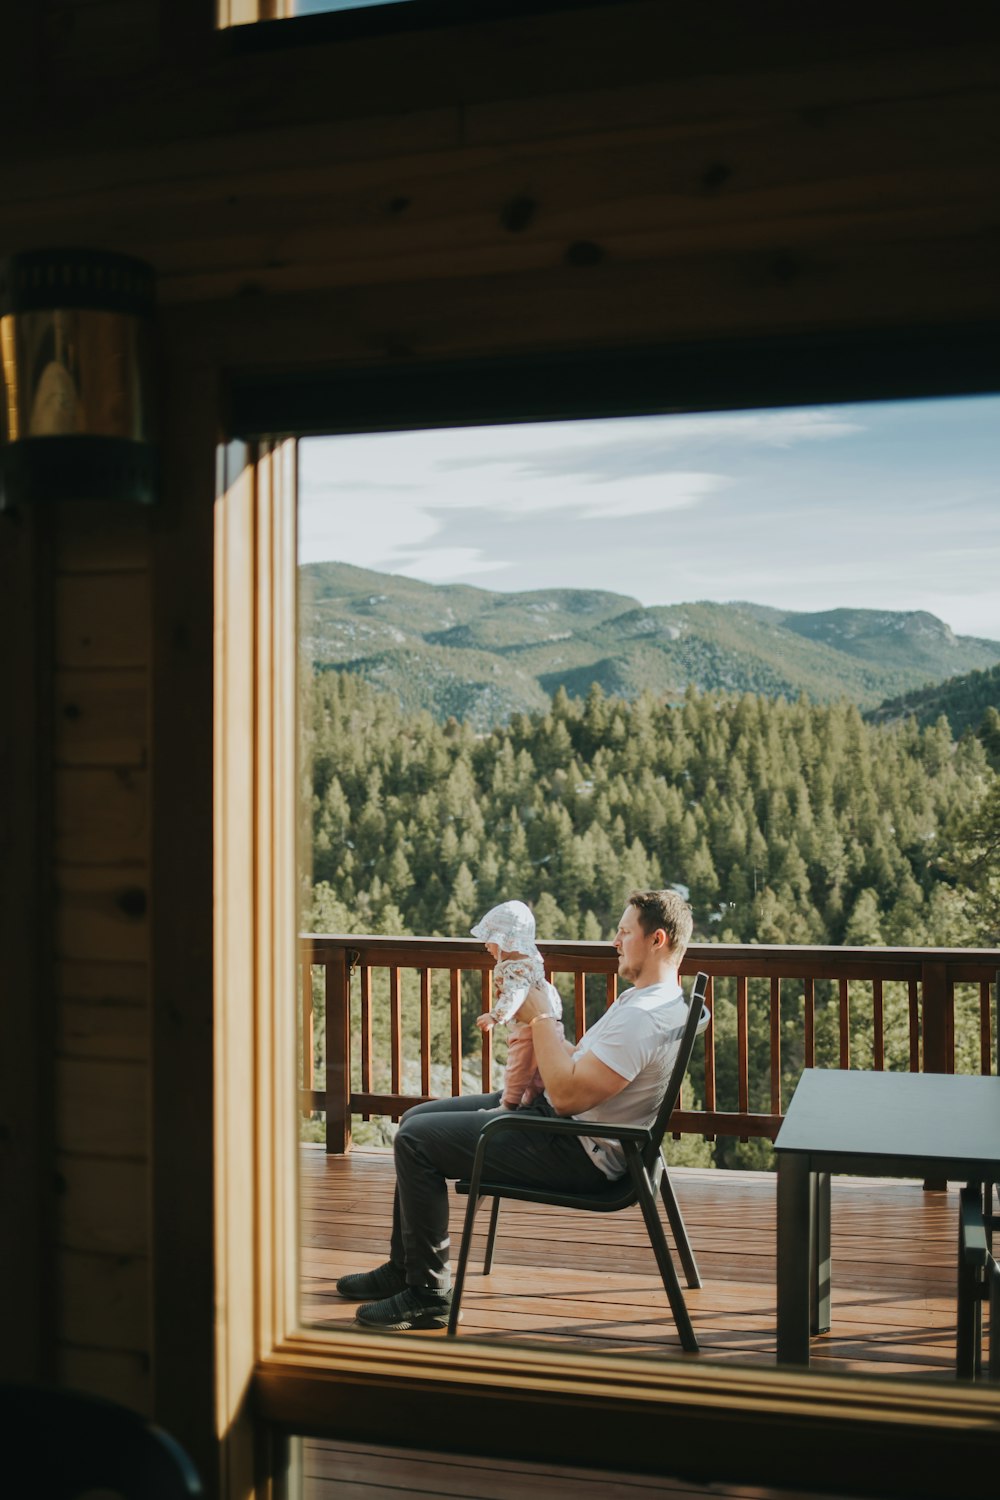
{"x":491,"y":1237}
{"x":679,"y":1230}
{"x":658,"y":1241}
{"x":463,"y":1261}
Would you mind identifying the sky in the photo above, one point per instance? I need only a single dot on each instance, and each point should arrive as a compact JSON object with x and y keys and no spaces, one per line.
{"x":890,"y":505}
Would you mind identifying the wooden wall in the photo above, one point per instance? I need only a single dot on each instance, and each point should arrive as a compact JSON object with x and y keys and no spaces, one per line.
{"x":632,"y":174}
{"x":605,"y":175}
{"x":89,"y":932}
{"x":100,"y":946}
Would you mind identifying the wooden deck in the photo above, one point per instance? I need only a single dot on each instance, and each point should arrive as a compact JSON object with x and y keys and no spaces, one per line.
{"x":590,"y":1283}
{"x":363,"y":1471}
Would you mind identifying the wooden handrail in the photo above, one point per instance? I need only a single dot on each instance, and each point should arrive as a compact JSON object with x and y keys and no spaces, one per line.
{"x":343,"y":1044}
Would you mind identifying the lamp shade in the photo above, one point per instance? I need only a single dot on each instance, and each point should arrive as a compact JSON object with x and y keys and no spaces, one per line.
{"x":76,"y":404}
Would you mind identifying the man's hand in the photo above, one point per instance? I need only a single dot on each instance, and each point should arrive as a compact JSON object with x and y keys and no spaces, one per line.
{"x":537,"y":1002}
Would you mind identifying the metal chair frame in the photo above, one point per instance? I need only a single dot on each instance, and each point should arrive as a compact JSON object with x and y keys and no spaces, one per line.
{"x":646,"y":1177}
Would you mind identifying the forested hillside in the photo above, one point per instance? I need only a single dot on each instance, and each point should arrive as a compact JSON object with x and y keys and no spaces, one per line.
{"x":481,"y":655}
{"x":788,"y":822}
{"x":965,"y":701}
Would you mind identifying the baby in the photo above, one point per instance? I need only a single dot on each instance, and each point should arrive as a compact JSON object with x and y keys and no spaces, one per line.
{"x":508,"y":932}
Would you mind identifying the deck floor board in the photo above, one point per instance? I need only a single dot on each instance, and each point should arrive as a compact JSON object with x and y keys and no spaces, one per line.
{"x":588,"y":1281}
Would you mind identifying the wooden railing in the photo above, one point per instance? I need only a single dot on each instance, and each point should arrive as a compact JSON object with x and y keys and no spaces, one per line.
{"x":805,"y":998}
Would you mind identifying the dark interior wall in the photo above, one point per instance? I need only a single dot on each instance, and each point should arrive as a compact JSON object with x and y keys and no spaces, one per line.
{"x":619,"y":173}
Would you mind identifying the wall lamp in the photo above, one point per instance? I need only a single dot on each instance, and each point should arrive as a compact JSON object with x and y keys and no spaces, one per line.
{"x":76,"y":402}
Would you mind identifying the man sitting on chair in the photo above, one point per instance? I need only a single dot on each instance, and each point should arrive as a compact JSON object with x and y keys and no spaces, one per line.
{"x":616,"y":1073}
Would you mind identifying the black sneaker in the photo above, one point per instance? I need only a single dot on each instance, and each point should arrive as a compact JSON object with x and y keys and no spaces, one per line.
{"x":410,"y":1310}
{"x":382,"y":1282}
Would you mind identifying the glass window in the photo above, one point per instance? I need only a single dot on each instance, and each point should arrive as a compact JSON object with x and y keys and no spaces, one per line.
{"x":751,"y":655}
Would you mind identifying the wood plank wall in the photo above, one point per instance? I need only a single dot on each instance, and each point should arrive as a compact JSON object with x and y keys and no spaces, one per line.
{"x":487,"y":187}
{"x":100,"y":798}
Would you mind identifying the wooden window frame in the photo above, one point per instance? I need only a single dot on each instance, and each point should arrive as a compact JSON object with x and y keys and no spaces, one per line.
{"x":686,"y":1418}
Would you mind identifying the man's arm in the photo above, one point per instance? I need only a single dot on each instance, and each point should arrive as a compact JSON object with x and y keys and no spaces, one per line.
{"x":571,"y":1086}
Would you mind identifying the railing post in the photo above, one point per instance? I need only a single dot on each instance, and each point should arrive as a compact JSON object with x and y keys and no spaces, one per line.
{"x":934,"y":996}
{"x":338,"y":1052}
{"x":934,"y":1031}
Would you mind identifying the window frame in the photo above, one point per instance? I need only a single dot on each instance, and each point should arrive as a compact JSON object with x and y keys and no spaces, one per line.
{"x":892,"y":1438}
{"x":248,"y":30}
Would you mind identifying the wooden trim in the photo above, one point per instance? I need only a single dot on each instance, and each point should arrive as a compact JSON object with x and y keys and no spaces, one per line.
{"x":707,"y":374}
{"x":277,"y":1278}
{"x":265,"y":25}
{"x":256,"y":948}
{"x":770,"y":960}
{"x":181,"y":996}
{"x":682,"y":1417}
{"x":241,"y":1294}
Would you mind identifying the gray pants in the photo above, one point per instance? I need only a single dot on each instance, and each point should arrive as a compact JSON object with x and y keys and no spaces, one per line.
{"x":437,"y":1141}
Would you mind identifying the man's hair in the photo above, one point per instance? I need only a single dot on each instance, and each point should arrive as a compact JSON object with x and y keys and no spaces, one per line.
{"x":666,"y":909}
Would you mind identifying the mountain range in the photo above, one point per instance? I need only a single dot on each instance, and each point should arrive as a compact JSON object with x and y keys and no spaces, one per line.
{"x":482,"y":655}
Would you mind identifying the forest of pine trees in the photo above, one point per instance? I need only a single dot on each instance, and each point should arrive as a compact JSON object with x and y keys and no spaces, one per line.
{"x":786,"y":822}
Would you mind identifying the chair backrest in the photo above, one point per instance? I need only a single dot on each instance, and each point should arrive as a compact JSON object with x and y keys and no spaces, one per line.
{"x":658,"y":1129}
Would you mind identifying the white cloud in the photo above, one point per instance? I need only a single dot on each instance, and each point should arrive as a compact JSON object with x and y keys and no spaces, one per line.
{"x":649,"y":496}
{"x":446,"y":564}
{"x":371,"y":499}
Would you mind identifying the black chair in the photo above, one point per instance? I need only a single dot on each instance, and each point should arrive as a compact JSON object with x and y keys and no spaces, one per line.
{"x":646,"y":1177}
{"x":61,"y":1444}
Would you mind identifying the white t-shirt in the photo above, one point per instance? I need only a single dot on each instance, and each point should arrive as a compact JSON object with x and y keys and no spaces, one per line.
{"x":638,"y":1036}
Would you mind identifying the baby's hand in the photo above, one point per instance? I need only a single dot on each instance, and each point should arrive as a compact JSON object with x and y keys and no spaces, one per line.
{"x":487,"y":1021}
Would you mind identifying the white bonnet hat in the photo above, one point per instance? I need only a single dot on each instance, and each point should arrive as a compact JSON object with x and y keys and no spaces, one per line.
{"x":510,"y":925}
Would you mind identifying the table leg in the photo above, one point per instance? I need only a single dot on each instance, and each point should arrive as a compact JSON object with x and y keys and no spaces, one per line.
{"x":795,"y":1233}
{"x":819,"y":1254}
{"x":969,"y":1331}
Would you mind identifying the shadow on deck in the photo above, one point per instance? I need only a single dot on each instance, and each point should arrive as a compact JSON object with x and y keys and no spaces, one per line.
{"x":581,"y":1281}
